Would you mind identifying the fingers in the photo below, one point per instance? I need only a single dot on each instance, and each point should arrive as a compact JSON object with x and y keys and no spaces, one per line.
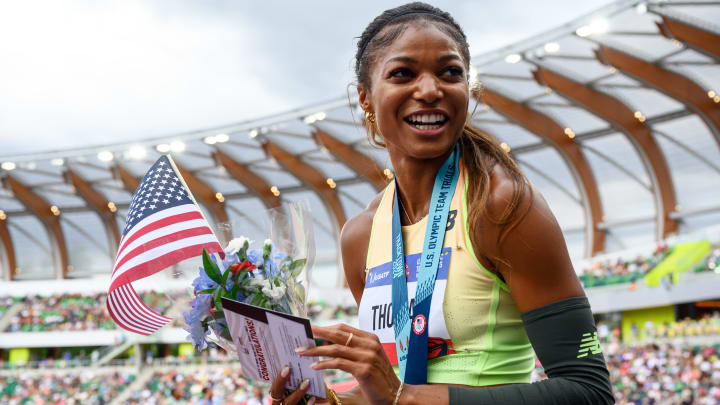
{"x":277,"y":390}
{"x":299,"y":393}
{"x":351,"y":353}
{"x":341,"y":334}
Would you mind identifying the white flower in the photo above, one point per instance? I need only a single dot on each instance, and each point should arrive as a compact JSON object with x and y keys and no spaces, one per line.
{"x":258,"y":281}
{"x":236,"y":244}
{"x":268,"y":242}
{"x":273,"y":292}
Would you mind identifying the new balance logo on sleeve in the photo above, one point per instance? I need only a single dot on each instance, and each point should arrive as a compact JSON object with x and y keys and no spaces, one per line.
{"x":589,"y":345}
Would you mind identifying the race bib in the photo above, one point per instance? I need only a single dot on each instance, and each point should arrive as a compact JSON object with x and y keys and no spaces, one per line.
{"x":375,"y":313}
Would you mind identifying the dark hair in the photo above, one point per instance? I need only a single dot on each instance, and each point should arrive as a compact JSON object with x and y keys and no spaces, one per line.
{"x":480,"y":151}
{"x":388,"y":26}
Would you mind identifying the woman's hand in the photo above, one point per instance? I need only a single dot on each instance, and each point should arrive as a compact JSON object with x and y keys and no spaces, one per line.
{"x":277,"y":390}
{"x":359,"y":353}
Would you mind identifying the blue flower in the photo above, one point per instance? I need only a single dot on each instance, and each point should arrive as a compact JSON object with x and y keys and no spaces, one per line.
{"x":230,"y":260}
{"x":203,"y":282}
{"x":201,"y":304}
{"x":271,"y":268}
{"x":197,"y":335}
{"x":254,"y":257}
{"x":218,"y":326}
{"x":241,"y":297}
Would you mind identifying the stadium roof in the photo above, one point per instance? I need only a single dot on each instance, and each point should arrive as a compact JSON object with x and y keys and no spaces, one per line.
{"x":614,"y":116}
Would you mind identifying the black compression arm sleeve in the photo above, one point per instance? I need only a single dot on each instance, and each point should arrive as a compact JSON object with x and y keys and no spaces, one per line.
{"x":564,"y":337}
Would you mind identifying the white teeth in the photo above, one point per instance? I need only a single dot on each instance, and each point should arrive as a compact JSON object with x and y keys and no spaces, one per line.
{"x":420,"y":119}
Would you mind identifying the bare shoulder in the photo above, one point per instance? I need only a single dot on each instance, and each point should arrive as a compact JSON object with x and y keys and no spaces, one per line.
{"x":528,"y":248}
{"x":354,"y":241}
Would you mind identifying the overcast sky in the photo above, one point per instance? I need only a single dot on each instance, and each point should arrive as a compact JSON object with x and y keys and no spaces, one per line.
{"x":88,"y":72}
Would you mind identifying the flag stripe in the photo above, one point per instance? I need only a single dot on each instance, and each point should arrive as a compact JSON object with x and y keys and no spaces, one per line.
{"x":121,"y":313}
{"x":168,"y":235}
{"x":151,"y":267}
{"x":136,"y":297}
{"x":164,"y":226}
{"x":132,"y":299}
{"x":160,"y":220}
{"x":154,"y":254}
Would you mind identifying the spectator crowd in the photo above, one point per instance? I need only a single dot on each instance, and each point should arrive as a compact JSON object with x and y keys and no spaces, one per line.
{"x":618,"y":271}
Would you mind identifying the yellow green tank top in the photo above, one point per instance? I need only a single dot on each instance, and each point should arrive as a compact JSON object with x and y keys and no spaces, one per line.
{"x":476,"y":336}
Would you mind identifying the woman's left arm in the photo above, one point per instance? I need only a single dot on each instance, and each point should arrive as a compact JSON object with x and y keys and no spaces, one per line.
{"x":536,"y":265}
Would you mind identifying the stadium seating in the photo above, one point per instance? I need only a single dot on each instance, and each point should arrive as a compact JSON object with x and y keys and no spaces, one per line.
{"x":67,"y":387}
{"x":71,"y":312}
{"x":620,"y":271}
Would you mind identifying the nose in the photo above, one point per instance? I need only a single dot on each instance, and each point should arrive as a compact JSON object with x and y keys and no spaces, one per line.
{"x":427,"y":89}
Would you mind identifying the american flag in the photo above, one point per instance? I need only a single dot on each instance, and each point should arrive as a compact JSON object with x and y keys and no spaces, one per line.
{"x":164,"y":226}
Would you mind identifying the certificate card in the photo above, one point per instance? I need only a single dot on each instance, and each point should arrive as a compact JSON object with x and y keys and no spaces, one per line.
{"x":266,"y":341}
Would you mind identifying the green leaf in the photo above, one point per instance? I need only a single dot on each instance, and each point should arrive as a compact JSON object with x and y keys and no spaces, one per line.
{"x":211,"y":269}
{"x":297,"y":266}
{"x":225,"y":277}
{"x":208,"y":291}
{"x":218,"y":303}
{"x":235,"y":288}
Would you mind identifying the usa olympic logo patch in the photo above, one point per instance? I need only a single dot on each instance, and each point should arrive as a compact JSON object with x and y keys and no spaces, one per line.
{"x":419,"y":323}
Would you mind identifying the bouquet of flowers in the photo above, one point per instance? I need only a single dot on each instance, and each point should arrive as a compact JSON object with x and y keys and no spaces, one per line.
{"x":268,"y":277}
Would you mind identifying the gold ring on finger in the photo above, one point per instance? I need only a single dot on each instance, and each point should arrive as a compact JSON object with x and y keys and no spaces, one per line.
{"x":349,"y":339}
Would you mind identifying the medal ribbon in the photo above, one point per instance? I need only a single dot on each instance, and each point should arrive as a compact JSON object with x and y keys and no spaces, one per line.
{"x":412,"y":348}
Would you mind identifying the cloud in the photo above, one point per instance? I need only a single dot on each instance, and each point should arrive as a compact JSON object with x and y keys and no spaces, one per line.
{"x":92,"y":72}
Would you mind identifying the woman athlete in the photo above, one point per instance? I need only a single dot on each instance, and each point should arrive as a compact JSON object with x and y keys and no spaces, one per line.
{"x":495,"y":285}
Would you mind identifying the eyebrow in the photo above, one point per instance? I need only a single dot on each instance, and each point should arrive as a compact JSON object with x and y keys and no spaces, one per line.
{"x":413,"y":61}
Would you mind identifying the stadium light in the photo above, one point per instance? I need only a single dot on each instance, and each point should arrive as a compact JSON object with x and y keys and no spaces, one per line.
{"x":641,"y":8}
{"x":57,"y":162}
{"x":222,"y":138}
{"x":552,"y":47}
{"x":177,"y":146}
{"x":163,"y":148}
{"x":253,"y":133}
{"x":8,"y":166}
{"x":210,"y":140}
{"x":513,"y":58}
{"x":137,"y":152}
{"x":105,"y":156}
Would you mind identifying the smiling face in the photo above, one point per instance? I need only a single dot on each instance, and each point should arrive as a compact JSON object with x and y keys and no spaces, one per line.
{"x":418,"y":92}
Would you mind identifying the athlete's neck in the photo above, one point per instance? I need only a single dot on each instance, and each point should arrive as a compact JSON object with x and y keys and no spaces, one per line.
{"x":415,"y":180}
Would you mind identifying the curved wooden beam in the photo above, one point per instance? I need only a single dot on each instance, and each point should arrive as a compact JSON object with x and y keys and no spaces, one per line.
{"x":10,"y":260}
{"x":99,"y":204}
{"x":42,"y":210}
{"x":668,"y":82}
{"x":313,"y":178}
{"x":544,"y":127}
{"x":248,"y":178}
{"x":129,"y":181}
{"x":621,"y":116}
{"x":695,"y":37}
{"x":207,"y":196}
{"x":358,"y":162}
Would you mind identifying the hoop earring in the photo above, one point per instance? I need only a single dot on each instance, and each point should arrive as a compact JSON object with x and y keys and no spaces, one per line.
{"x":370,"y":117}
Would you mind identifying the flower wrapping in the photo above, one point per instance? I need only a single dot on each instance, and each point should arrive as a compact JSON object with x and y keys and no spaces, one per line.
{"x":275,"y":276}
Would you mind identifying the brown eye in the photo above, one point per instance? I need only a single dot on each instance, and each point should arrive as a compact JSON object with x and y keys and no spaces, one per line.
{"x":454,"y":71}
{"x":401,"y":73}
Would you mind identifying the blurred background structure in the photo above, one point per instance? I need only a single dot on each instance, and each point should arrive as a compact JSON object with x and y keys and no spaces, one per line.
{"x":614,"y":116}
